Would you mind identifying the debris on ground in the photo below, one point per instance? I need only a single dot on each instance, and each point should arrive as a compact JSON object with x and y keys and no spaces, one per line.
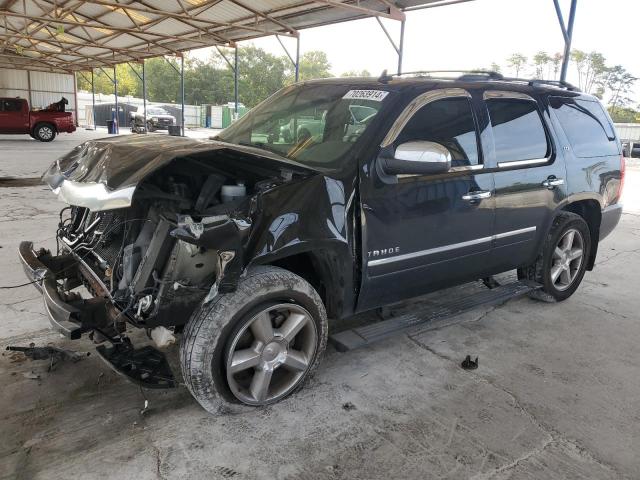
{"x":348,"y":406}
{"x":50,"y":353}
{"x":469,"y":364}
{"x":31,"y":375}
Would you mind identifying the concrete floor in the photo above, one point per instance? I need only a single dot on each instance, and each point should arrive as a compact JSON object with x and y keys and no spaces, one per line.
{"x":556,"y":394}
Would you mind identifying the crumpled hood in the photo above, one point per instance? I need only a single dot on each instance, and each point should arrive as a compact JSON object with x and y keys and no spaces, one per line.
{"x":122,"y":162}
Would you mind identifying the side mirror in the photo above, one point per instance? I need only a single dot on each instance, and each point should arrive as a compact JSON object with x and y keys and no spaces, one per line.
{"x":418,"y":158}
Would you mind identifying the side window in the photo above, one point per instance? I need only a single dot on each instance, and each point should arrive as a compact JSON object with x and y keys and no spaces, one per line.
{"x":448,"y":122}
{"x":586,"y":125}
{"x":9,"y":105}
{"x":518,"y":132}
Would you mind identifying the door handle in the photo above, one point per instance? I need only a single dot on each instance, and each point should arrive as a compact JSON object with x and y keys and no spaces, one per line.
{"x":476,"y":195}
{"x":553,"y":182}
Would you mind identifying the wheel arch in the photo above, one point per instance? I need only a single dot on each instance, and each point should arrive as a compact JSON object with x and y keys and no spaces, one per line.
{"x":590,"y":211}
{"x":324,"y":269}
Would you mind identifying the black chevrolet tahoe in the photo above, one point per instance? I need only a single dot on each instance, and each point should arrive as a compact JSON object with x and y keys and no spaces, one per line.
{"x":244,"y":245}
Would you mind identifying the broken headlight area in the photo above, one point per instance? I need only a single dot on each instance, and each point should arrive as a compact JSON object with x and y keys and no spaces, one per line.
{"x":158,"y":259}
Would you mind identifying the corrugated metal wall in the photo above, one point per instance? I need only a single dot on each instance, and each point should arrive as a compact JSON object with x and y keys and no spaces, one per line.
{"x":46,"y":88}
{"x":628,"y":131}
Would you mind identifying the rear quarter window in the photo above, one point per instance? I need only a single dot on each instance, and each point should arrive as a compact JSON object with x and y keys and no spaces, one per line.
{"x":586,"y":125}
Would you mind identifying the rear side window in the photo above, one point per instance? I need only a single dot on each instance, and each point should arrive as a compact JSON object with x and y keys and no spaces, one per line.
{"x":586,"y":126}
{"x":448,"y":122}
{"x":518,"y":132}
{"x":11,"y":105}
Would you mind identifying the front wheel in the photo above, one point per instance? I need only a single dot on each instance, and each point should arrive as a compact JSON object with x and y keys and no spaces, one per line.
{"x":561,"y":265}
{"x":254,"y":346}
{"x":44,"y":132}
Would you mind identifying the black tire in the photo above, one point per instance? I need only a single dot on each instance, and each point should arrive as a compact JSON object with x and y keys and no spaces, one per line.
{"x":150,"y":127}
{"x":44,"y":132}
{"x":207,"y":337}
{"x":541,"y":270}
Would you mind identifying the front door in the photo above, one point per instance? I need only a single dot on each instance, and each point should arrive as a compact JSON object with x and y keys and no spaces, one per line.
{"x":12,"y":117}
{"x":424,"y":232}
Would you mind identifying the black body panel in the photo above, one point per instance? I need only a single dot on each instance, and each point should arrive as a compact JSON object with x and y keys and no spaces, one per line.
{"x":370,"y":239}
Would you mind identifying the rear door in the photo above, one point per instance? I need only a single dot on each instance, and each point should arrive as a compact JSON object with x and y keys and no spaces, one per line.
{"x":529,"y":175}
{"x":424,"y":232}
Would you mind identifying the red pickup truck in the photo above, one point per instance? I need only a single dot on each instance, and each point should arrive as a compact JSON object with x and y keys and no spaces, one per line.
{"x":43,"y":125}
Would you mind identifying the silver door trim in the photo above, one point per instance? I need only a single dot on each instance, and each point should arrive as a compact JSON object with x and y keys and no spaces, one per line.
{"x":514,"y":232}
{"x":415,"y":105}
{"x":518,"y":163}
{"x":445,"y":248}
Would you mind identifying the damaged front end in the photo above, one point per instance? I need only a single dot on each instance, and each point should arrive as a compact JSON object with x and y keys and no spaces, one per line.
{"x":146,"y":254}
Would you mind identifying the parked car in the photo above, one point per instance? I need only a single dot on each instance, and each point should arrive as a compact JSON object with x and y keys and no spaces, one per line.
{"x":156,"y":119}
{"x":245,"y":245}
{"x":631,"y":149}
{"x":311,"y":123}
{"x":43,"y":125}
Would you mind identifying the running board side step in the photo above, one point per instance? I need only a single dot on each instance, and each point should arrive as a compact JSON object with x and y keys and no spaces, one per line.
{"x":432,"y":315}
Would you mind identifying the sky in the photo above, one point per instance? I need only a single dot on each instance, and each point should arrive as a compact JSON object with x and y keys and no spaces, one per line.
{"x":475,"y":34}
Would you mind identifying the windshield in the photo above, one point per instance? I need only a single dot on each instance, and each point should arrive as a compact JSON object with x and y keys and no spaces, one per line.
{"x":315,"y":125}
{"x":156,"y":111}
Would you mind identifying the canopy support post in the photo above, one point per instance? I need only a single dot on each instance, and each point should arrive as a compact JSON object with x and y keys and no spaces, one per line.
{"x":401,"y":46}
{"x":115,"y":91}
{"x":144,"y":96}
{"x":298,"y":57}
{"x":182,"y":93}
{"x":567,"y":33}
{"x":235,"y":81}
{"x":93,"y":102}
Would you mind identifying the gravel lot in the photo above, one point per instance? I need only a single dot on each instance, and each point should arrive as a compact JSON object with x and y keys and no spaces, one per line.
{"x":556,"y":395}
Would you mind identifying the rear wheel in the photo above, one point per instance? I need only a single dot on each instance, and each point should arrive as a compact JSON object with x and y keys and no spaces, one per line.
{"x":45,"y":132}
{"x":561,"y":265}
{"x":254,"y":346}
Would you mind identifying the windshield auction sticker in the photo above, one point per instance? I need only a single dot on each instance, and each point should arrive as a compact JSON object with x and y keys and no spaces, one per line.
{"x":375,"y":95}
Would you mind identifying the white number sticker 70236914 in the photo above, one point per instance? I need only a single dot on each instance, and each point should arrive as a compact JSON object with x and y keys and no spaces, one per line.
{"x":375,"y":95}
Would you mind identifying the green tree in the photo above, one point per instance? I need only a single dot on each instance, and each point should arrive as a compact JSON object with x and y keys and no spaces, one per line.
{"x":495,"y":67}
{"x":540,"y":61}
{"x":556,"y":63}
{"x":314,"y":64}
{"x":591,"y":68}
{"x":620,"y":83}
{"x":517,"y":61}
{"x":260,"y":75}
{"x":624,"y":115}
{"x":127,"y":81}
{"x":356,"y":73}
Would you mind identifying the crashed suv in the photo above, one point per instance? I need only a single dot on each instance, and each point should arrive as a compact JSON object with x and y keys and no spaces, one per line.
{"x":243,"y":246}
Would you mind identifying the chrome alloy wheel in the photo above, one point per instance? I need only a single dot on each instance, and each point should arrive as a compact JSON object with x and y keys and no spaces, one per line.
{"x":567,"y":259}
{"x":271,"y":353}
{"x":45,"y":132}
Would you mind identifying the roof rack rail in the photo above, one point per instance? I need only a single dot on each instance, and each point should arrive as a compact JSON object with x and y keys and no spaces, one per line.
{"x":555,"y":83}
{"x":466,"y":74}
{"x":479,"y":75}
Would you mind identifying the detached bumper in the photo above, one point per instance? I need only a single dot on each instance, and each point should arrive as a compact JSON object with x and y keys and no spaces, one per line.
{"x":69,"y":314}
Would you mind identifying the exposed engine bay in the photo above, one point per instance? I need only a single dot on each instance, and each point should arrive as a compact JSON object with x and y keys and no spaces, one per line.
{"x":178,"y":244}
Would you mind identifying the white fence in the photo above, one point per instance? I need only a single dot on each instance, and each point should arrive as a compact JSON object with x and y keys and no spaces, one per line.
{"x":85,"y":118}
{"x":628,"y":131}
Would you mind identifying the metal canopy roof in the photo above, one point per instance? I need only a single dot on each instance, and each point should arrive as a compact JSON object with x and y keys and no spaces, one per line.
{"x":73,"y":35}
